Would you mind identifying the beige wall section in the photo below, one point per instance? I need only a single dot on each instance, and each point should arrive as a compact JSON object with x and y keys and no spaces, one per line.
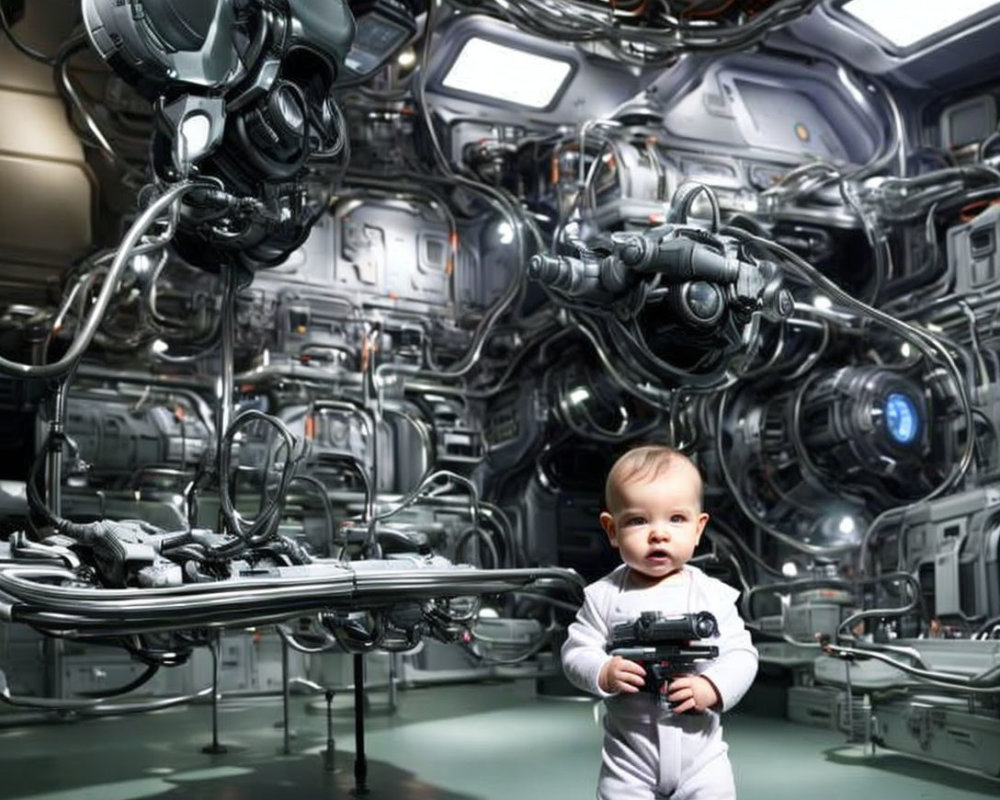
{"x":42,"y":217}
{"x":47,"y":191}
{"x":35,"y":125}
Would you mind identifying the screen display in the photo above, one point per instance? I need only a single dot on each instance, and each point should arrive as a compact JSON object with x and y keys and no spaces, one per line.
{"x":491,"y":69}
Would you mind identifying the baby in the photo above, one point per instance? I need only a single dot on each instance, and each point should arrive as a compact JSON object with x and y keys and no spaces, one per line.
{"x":653,"y":748}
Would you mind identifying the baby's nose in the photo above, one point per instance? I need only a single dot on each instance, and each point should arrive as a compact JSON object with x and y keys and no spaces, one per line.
{"x":659,"y":530}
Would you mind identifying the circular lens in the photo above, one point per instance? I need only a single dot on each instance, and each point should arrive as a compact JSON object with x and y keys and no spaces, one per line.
{"x":288,"y":110}
{"x":901,"y":418}
{"x":704,"y":300}
{"x":705,"y":625}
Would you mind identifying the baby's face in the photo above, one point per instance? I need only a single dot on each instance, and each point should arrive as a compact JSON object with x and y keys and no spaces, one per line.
{"x":657,"y":522}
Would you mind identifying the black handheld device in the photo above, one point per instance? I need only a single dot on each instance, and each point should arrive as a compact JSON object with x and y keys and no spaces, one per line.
{"x":662,"y":644}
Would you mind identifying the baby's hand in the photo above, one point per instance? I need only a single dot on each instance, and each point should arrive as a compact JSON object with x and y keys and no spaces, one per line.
{"x":691,"y":693}
{"x":621,"y":675}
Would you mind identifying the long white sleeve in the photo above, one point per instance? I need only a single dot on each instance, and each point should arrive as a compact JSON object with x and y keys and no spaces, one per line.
{"x":733,"y":672}
{"x":583,"y":653}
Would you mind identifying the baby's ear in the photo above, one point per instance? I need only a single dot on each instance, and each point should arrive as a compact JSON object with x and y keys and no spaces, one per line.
{"x":608,"y":523}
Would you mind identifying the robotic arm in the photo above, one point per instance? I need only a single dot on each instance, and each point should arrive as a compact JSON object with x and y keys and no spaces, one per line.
{"x":678,"y":304}
{"x":708,"y":270}
{"x":242,"y":92}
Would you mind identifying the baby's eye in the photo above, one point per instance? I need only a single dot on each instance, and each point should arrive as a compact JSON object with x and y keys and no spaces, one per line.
{"x":634,"y":521}
{"x":678,"y":518}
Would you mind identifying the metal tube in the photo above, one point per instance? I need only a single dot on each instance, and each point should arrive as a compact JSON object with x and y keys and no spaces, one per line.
{"x":329,"y":763}
{"x":393,"y":680}
{"x":360,"y":762}
{"x":225,"y":400}
{"x":215,"y":748}
{"x":287,"y":750}
{"x":123,"y":257}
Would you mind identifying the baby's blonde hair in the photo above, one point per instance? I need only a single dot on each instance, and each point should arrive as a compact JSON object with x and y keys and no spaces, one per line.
{"x":646,"y":461}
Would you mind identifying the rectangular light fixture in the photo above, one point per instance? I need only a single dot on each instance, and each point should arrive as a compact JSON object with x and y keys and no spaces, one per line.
{"x":497,"y":71}
{"x":905,"y":24}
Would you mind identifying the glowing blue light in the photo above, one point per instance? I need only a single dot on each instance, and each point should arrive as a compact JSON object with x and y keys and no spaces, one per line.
{"x":901,"y":418}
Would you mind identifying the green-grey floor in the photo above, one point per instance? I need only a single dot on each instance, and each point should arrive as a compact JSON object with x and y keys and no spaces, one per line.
{"x":467,"y":742}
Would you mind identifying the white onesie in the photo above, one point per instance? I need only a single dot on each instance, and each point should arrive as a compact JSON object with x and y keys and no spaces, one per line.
{"x":649,"y":751}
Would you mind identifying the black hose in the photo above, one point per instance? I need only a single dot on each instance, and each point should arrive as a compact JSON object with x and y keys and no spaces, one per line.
{"x":144,"y":677}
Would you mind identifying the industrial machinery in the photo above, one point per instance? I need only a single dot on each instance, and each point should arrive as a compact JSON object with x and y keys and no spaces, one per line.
{"x":314,"y":321}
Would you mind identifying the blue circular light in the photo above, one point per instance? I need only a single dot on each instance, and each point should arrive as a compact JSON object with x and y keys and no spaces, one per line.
{"x":901,"y":418}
